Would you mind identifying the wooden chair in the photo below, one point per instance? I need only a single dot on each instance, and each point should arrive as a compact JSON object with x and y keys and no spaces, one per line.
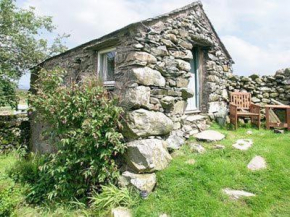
{"x":241,"y":106}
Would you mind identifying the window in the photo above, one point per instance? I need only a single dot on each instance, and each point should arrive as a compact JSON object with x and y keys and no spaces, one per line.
{"x":106,"y":66}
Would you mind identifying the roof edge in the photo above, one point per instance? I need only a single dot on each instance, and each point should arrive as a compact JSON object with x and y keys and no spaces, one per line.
{"x":215,"y":32}
{"x":111,"y":34}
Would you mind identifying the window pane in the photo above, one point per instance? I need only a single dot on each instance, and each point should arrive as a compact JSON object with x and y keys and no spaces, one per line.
{"x":110,"y":65}
{"x":107,"y":66}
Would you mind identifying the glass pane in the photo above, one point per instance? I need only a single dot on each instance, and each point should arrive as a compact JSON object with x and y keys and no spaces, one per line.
{"x":107,"y":66}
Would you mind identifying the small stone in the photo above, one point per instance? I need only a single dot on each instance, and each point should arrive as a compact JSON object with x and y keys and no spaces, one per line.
{"x":249,"y":132}
{"x":190,"y":161}
{"x":174,"y":142}
{"x":237,"y":194}
{"x":209,"y":136}
{"x":257,"y":163}
{"x":163,"y":215}
{"x":278,"y":131}
{"x":138,"y":46}
{"x":219,"y":147}
{"x":197,"y":148}
{"x":143,"y":182}
{"x":177,"y":153}
{"x":120,"y":212}
{"x":243,"y":144}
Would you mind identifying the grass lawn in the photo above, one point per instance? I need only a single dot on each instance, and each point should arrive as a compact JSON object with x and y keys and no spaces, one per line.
{"x":196,"y":190}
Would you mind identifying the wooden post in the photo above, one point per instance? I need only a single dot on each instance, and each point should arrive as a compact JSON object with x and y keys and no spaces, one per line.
{"x":267,"y":118}
{"x":288,"y":118}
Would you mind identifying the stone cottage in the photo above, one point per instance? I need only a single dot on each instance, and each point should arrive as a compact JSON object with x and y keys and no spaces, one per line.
{"x":170,"y":72}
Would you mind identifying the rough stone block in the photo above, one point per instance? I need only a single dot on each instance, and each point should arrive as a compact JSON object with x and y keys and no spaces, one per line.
{"x":141,"y":123}
{"x":147,"y":155}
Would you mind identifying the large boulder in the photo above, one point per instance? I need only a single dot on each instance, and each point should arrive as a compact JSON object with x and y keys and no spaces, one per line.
{"x":142,"y":123}
{"x":143,"y":182}
{"x":148,"y":77}
{"x":147,"y":155}
{"x":135,"y":97}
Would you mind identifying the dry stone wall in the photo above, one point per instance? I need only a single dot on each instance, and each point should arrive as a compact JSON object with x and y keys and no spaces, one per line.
{"x":264,"y":89}
{"x":14,"y":132}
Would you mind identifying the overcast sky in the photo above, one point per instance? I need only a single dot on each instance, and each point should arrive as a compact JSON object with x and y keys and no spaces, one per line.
{"x":255,"y":32}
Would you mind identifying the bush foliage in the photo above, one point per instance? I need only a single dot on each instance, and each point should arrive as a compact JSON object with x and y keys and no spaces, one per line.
{"x":83,"y":122}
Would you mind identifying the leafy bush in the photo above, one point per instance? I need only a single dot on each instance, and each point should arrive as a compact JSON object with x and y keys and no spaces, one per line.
{"x":83,"y":122}
{"x":112,"y":197}
{"x":26,"y":170}
{"x":10,"y":197}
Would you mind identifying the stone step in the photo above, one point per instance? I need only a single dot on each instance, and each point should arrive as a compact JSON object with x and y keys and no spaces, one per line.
{"x":195,"y":118}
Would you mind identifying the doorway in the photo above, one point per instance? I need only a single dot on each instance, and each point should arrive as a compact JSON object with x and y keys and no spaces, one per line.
{"x":193,"y":86}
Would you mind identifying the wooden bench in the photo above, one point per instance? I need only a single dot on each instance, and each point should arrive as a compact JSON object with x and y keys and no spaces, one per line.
{"x":241,"y":106}
{"x":273,"y":121}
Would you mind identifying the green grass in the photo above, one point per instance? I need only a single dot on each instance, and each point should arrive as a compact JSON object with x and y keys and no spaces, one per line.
{"x":12,"y":197}
{"x":196,"y":190}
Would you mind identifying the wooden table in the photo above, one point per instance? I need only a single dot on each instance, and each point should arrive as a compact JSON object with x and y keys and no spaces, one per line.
{"x":277,"y":124}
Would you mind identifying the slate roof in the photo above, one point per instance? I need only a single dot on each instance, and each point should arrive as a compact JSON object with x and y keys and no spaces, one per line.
{"x":107,"y":36}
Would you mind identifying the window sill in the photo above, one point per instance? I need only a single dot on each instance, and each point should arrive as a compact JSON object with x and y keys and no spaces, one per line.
{"x":109,"y":85}
{"x":192,"y":112}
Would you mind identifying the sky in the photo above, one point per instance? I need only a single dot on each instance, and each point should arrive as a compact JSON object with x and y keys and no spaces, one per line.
{"x":255,"y":32}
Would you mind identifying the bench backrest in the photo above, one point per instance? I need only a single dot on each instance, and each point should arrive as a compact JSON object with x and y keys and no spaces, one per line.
{"x":241,"y":99}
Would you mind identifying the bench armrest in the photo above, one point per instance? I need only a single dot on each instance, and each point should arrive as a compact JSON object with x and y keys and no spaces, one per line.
{"x":233,"y":109}
{"x":255,"y":108}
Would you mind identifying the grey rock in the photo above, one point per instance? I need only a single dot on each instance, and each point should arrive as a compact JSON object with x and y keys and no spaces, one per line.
{"x":219,"y":147}
{"x":186,"y":93}
{"x":174,"y":142}
{"x":135,"y":97}
{"x":147,"y":76}
{"x":197,"y":148}
{"x":121,"y":212}
{"x":143,"y":182}
{"x":142,"y":123}
{"x":243,"y":144}
{"x":140,"y":58}
{"x":147,"y":155}
{"x":183,"y":65}
{"x":182,"y":82}
{"x":257,"y":163}
{"x":167,"y":102}
{"x":237,"y":194}
{"x":179,"y":107}
{"x":209,"y":136}
{"x":160,"y":51}
{"x":279,"y":131}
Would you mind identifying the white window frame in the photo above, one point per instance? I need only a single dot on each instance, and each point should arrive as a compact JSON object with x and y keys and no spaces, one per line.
{"x":106,"y":83}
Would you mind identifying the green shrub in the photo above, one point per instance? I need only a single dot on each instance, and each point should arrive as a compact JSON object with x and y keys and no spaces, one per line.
{"x":112,"y":197}
{"x":26,"y":170}
{"x":84,"y":122}
{"x":10,"y":197}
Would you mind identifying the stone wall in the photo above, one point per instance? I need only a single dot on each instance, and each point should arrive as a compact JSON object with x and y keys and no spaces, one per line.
{"x":14,"y":132}
{"x":264,"y":88}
